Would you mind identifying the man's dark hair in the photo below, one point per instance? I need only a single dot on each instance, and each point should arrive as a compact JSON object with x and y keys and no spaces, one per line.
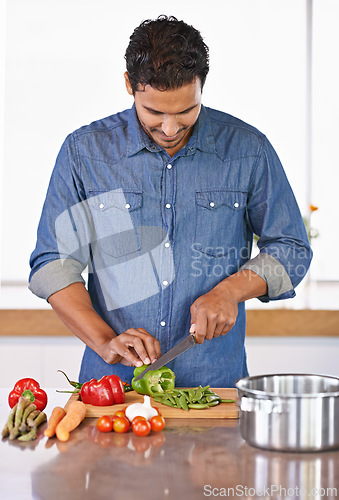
{"x":166,"y":54}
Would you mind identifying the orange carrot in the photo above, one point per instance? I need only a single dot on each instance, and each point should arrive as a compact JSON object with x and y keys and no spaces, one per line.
{"x":57,"y":415}
{"x":75,"y":414}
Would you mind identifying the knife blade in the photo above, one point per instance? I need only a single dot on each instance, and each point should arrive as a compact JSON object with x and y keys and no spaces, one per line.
{"x":179,"y":348}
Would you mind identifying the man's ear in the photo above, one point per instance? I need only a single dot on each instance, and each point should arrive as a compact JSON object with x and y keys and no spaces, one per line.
{"x":128,"y":84}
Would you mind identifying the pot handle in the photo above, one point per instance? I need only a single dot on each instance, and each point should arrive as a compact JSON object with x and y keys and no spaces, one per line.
{"x":263,"y":405}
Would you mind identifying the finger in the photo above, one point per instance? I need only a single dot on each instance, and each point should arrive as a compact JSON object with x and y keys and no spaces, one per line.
{"x":120,"y":345}
{"x":211,"y":327}
{"x":139,"y":345}
{"x":228,"y":325}
{"x":200,"y":327}
{"x":192,"y":329}
{"x":151,"y":344}
{"x":153,"y":348}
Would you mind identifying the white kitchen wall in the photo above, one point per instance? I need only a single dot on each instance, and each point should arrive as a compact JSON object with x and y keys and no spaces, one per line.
{"x":64,"y":68}
{"x":42,"y":358}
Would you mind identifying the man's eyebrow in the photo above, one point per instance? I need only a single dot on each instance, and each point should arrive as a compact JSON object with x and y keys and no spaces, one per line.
{"x":161,"y":112}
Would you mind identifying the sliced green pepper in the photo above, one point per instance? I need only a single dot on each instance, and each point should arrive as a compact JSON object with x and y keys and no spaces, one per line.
{"x":154,"y":382}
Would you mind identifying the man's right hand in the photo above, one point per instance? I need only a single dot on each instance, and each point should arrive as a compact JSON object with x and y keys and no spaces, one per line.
{"x":134,"y":347}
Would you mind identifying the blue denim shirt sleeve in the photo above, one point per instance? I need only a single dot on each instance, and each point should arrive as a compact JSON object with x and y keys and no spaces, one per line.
{"x":62,"y":250}
{"x":274,"y":215}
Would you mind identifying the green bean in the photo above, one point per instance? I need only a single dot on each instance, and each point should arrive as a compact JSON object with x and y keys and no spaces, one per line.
{"x":183,"y":403}
{"x":197,"y":396}
{"x":227,"y":400}
{"x":197,"y":406}
{"x":29,"y":436}
{"x":204,"y":389}
{"x":212,"y":397}
{"x":164,"y":402}
{"x":192,"y":394}
{"x":213,"y":403}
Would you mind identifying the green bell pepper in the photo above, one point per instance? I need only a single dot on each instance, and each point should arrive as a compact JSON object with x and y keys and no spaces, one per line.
{"x":154,"y":382}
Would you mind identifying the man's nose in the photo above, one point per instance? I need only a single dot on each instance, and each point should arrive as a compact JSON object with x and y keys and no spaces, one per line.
{"x":170,"y":126}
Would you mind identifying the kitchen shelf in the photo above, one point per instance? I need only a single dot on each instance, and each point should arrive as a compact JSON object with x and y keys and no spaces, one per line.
{"x":260,"y":323}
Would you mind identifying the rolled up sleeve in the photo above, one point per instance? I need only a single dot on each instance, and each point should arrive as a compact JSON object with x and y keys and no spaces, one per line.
{"x":55,"y":276}
{"x":274,"y":215}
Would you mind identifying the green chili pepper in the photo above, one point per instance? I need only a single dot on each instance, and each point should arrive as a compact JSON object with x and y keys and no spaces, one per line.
{"x":154,"y":382}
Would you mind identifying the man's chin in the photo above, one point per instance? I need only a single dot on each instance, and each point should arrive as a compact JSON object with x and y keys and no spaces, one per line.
{"x":170,"y":143}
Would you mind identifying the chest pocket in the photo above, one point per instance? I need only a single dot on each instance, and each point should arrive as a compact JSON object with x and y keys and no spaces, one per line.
{"x":220,"y":222}
{"x":116,"y":216}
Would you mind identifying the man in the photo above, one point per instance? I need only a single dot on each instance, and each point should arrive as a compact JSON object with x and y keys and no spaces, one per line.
{"x":161,"y":202}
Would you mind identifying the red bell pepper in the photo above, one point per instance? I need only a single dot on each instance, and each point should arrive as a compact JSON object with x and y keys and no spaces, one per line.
{"x":104,"y":392}
{"x":29,"y":388}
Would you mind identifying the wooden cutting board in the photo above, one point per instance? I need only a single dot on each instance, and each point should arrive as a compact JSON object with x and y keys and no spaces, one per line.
{"x":223,"y":410}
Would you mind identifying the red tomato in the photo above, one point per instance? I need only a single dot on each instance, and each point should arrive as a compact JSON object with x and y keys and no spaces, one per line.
{"x":156,"y":408}
{"x":141,"y":428}
{"x":119,"y":413}
{"x":137,"y":419}
{"x":121,"y":424}
{"x":104,"y":424}
{"x":157,"y":423}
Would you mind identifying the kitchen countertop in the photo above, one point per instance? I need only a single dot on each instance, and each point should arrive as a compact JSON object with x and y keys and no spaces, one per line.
{"x":190,"y":459}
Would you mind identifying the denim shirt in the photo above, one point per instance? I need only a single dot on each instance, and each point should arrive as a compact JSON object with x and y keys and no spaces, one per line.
{"x":156,"y":232}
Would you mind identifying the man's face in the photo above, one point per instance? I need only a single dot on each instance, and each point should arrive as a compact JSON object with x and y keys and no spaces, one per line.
{"x":168,"y":116}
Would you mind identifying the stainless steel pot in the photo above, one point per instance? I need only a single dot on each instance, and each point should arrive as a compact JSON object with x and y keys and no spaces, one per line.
{"x":290,"y":412}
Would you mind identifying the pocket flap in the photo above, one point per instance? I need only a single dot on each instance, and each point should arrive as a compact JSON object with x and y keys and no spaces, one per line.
{"x":215,"y":199}
{"x":123,"y":200}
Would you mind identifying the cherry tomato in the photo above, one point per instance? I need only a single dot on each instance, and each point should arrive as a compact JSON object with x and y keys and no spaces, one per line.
{"x":141,"y":428}
{"x":104,"y":424}
{"x":119,"y":413}
{"x":121,"y":424}
{"x":137,"y":419}
{"x":156,"y":408}
{"x":157,"y":423}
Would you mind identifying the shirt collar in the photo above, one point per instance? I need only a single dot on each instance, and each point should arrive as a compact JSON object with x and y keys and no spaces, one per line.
{"x":137,"y":138}
{"x":202,"y":137}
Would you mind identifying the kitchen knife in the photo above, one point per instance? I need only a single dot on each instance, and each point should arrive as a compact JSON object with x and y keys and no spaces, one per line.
{"x":181,"y":347}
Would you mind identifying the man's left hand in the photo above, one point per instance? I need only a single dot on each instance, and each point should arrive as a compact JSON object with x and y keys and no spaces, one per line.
{"x":213,"y":314}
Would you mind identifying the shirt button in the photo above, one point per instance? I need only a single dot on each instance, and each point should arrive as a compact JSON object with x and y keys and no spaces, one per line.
{"x":101,"y":206}
{"x":169,"y":166}
{"x":127,"y":206}
{"x":168,"y":205}
{"x":212,"y":204}
{"x":163,"y":323}
{"x":167,"y":245}
{"x":165,"y":283}
{"x":236,"y":204}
